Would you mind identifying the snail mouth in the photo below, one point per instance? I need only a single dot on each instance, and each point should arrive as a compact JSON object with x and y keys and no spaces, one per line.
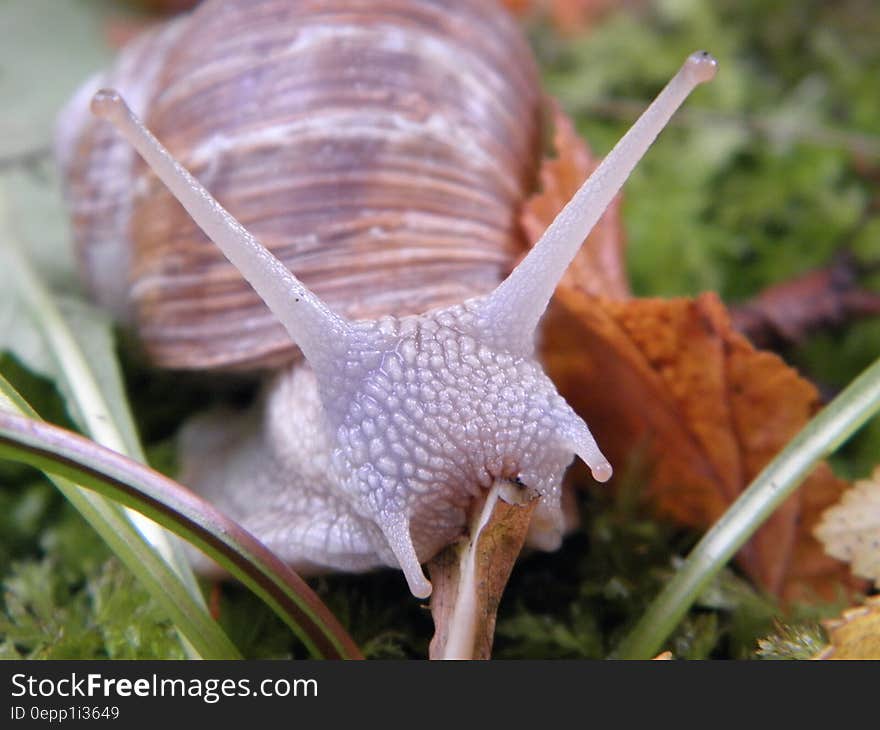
{"x":513,"y":490}
{"x":546,"y":525}
{"x":508,"y":489}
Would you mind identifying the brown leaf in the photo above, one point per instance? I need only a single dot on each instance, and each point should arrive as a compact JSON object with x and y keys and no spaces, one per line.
{"x":469,"y":577}
{"x":790,"y":311}
{"x":569,"y":16}
{"x":856,"y":634}
{"x":811,"y":571}
{"x":599,"y":267}
{"x":670,"y":383}
{"x":519,"y":7}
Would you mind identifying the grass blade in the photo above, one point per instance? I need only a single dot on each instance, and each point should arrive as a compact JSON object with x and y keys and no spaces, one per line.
{"x":90,"y":399}
{"x":202,"y":633}
{"x":819,"y":438}
{"x":101,"y":409}
{"x":66,"y":454}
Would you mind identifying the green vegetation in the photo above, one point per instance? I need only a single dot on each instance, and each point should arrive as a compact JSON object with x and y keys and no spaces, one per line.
{"x":768,"y":172}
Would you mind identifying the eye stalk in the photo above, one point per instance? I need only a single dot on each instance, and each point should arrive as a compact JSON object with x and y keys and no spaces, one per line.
{"x":515,"y":307}
{"x":308,"y":320}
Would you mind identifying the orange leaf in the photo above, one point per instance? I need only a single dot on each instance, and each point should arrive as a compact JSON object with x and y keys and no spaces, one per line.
{"x":519,"y":7}
{"x":671,"y":383}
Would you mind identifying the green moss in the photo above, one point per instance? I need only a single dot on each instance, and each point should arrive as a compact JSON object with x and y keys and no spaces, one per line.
{"x":76,"y":602}
{"x":762,"y":175}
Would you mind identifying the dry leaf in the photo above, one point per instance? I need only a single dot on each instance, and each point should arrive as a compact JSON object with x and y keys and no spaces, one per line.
{"x":790,"y":311}
{"x":469,"y":576}
{"x":856,"y":634}
{"x":519,"y":7}
{"x":671,"y":383}
{"x":850,"y":530}
{"x":569,"y":16}
{"x":811,"y":570}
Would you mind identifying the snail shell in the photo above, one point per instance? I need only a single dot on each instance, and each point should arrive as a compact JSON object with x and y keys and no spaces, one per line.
{"x":380,"y":149}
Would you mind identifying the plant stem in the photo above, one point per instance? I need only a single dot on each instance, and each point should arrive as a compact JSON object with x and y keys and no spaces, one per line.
{"x":819,"y":438}
{"x":463,"y":624}
{"x":96,"y":416}
{"x":114,"y":429}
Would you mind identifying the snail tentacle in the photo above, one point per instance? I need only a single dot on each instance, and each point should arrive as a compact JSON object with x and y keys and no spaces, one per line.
{"x":513,"y":310}
{"x":311,"y":324}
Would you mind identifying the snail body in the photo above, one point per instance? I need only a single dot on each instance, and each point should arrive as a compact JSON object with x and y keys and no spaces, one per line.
{"x":371,"y":451}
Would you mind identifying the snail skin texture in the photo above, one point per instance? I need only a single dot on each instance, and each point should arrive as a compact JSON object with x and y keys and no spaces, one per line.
{"x":371,"y":453}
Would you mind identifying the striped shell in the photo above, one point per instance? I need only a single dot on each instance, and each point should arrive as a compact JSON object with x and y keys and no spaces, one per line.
{"x":381,"y":149}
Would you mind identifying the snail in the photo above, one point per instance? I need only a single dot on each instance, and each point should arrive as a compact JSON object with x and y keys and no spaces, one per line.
{"x":404,"y":410}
